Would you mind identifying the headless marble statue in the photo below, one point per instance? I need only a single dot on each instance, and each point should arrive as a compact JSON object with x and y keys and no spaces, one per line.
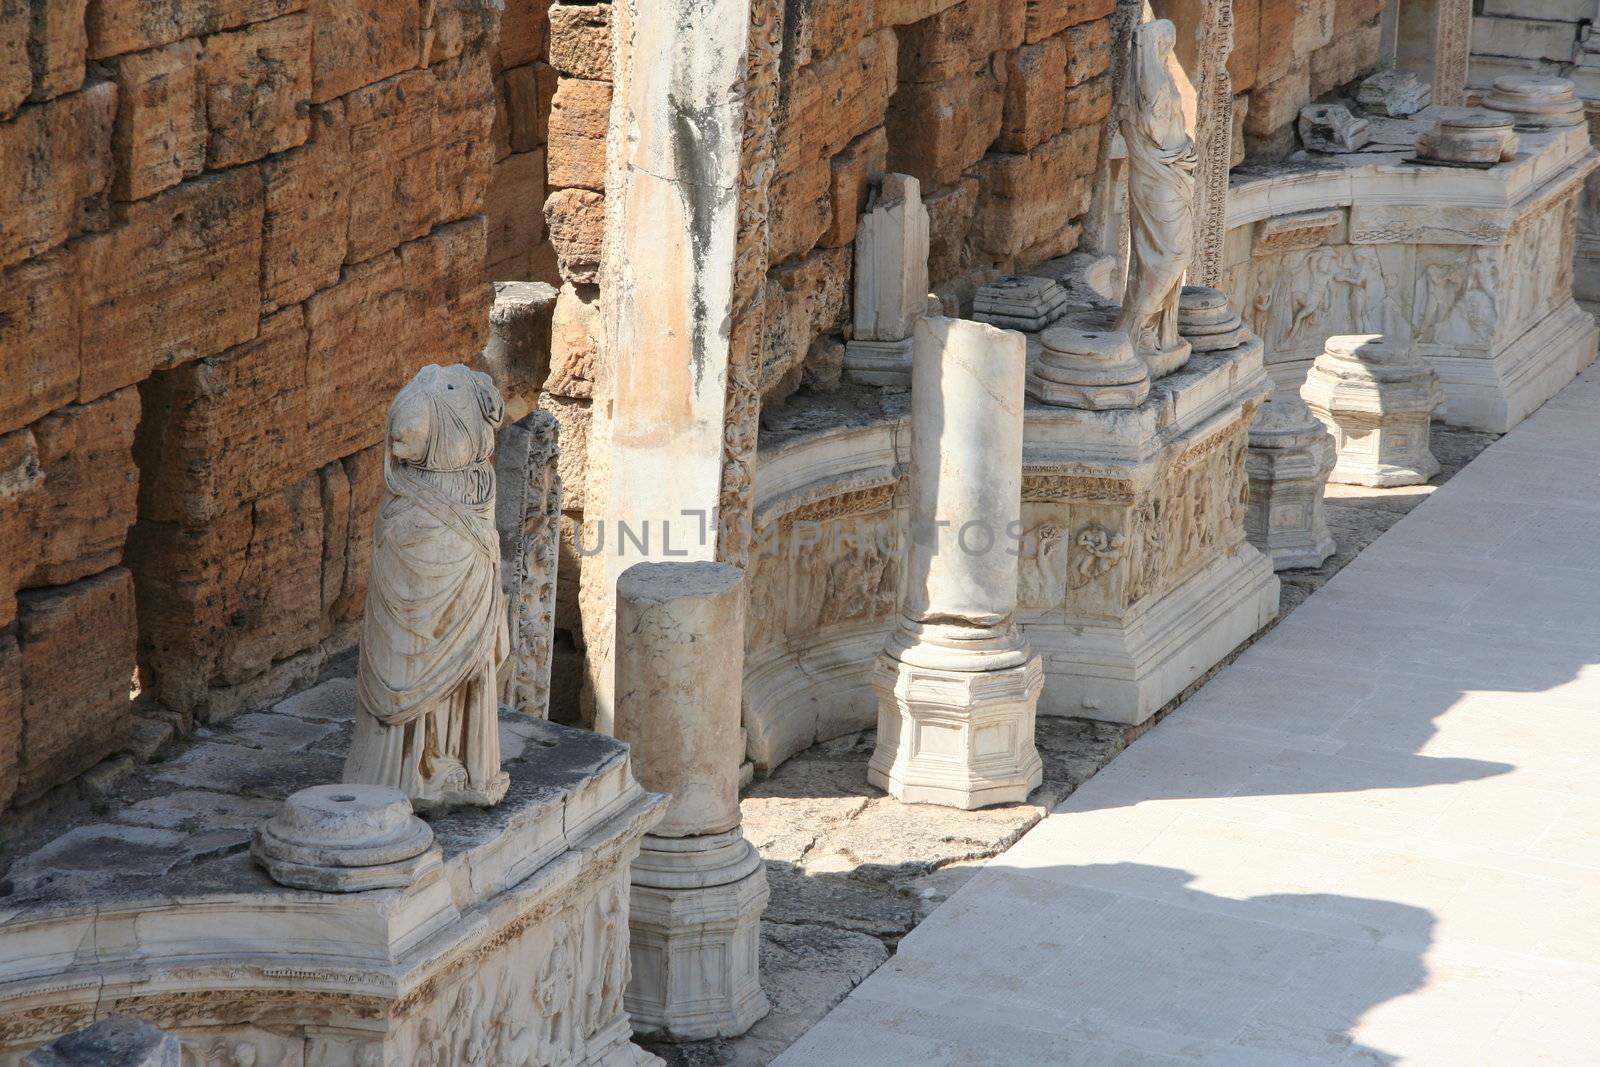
{"x":1161,"y":166}
{"x":435,"y":630}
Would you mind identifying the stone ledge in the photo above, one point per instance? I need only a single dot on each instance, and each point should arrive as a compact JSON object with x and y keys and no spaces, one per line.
{"x":158,"y":912}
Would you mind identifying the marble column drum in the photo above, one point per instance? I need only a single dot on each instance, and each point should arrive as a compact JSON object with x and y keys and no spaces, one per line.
{"x":698,"y":887}
{"x":957,"y":684}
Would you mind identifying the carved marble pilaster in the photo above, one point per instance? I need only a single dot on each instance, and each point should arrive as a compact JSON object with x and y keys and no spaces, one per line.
{"x":1214,"y":139}
{"x":528,"y":516}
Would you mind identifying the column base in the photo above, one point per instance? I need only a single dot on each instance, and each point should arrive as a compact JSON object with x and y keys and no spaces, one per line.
{"x":695,"y":936}
{"x":963,"y":739}
{"x":878,"y":362}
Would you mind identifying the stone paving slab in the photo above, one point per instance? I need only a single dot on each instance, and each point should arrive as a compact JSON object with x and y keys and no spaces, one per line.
{"x":1370,"y":840}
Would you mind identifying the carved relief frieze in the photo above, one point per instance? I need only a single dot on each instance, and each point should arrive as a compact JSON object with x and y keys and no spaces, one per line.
{"x":1096,"y":550}
{"x":1296,"y":300}
{"x":1042,"y":565}
{"x":1293,"y":232}
{"x":1045,"y":486}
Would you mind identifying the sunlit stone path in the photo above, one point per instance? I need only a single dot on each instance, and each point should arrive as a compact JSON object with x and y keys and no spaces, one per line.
{"x":1373,"y":839}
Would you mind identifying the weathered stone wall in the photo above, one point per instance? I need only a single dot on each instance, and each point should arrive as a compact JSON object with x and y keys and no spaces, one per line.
{"x":995,"y":106}
{"x":1288,"y":53}
{"x":524,"y":82}
{"x":1534,"y":37}
{"x":229,"y":231}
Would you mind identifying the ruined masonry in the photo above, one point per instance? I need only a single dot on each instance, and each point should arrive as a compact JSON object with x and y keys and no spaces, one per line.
{"x":449,"y":449}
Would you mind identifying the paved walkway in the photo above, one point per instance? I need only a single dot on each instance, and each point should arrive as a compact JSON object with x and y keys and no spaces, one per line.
{"x":1374,"y":839}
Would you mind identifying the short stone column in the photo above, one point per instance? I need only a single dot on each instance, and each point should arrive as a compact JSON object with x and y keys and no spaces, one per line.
{"x":1291,"y":455}
{"x":1478,"y":137}
{"x":698,"y":887}
{"x":115,"y":1041}
{"x":957,"y":683}
{"x":1377,"y":397}
{"x":517,"y":354}
{"x":891,"y":290}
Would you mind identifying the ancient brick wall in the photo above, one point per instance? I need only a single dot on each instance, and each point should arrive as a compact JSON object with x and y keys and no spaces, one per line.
{"x":1288,"y":53}
{"x":229,"y":231}
{"x":524,"y":83}
{"x":995,"y":106}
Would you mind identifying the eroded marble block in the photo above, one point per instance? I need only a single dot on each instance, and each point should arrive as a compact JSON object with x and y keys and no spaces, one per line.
{"x":517,"y":354}
{"x":886,"y":363}
{"x":891,"y":282}
{"x":1395,"y":93}
{"x":1291,"y":455}
{"x":1377,"y":397}
{"x":1019,"y":302}
{"x":1331,"y":128}
{"x":115,"y":1041}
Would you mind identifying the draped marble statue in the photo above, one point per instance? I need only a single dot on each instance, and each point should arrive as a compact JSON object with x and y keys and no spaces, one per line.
{"x":435,"y":631}
{"x":1161,"y":183}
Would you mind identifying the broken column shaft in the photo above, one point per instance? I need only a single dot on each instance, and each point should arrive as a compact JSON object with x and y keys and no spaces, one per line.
{"x":698,"y":887}
{"x":957,"y":683}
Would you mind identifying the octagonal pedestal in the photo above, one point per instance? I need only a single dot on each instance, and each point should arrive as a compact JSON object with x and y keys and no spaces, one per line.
{"x":1291,"y":455}
{"x":959,"y":738}
{"x":1377,"y":398}
{"x":695,"y":937}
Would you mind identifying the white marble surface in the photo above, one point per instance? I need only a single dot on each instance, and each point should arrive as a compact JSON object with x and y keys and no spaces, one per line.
{"x":1370,"y":840}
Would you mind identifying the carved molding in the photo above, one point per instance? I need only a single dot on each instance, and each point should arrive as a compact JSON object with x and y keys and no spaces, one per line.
{"x":1214,"y":137}
{"x":1051,"y":487}
{"x":743,"y":407}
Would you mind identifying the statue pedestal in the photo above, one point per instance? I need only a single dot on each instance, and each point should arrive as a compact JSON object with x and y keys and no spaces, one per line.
{"x":512,"y":950}
{"x":696,"y":930}
{"x":963,"y":739}
{"x":878,"y":362}
{"x":1291,"y":455}
{"x":1377,"y":400}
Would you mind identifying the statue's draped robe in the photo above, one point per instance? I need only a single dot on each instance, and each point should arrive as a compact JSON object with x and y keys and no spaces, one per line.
{"x":1161,"y":166}
{"x":435,"y":630}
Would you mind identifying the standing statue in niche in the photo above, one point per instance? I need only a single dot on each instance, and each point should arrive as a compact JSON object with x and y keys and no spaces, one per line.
{"x":435,"y":632}
{"x":1161,"y":166}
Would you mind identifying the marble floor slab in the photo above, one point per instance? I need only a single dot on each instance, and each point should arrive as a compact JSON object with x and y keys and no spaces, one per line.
{"x":1373,"y":839}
